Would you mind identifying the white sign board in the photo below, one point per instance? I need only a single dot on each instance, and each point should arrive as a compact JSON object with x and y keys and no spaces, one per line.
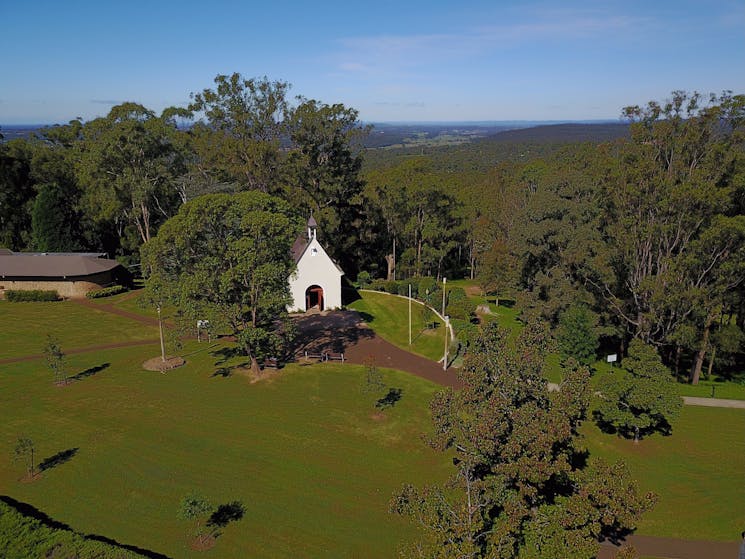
{"x":612,"y":358}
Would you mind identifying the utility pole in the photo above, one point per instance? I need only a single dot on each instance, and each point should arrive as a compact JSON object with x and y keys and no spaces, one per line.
{"x":445,"y":358}
{"x":409,"y":314}
{"x":444,"y":285}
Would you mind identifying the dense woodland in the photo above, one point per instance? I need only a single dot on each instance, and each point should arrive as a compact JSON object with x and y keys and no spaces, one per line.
{"x":644,"y":234}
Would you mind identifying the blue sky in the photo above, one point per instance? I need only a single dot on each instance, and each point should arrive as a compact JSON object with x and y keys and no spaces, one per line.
{"x":393,"y":61}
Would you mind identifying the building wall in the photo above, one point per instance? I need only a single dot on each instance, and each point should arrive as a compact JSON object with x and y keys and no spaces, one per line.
{"x":319,"y":270}
{"x":71,"y":288}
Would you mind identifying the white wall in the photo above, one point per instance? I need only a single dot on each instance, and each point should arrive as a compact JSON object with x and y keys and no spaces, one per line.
{"x":316,"y":269}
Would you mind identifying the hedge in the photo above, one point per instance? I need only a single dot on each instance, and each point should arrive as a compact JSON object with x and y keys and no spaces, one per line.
{"x":24,"y":536}
{"x":106,"y":292}
{"x":20,"y":295}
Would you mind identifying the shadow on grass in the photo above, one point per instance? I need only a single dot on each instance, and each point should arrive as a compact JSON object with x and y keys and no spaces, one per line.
{"x":224,"y":515}
{"x":366,"y":316}
{"x":58,"y":459}
{"x":32,"y":512}
{"x":89,"y":372}
{"x":390,"y":399}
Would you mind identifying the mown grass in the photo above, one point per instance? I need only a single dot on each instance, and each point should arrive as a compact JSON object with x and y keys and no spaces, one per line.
{"x":388,"y":316}
{"x":26,"y":325}
{"x":697,"y":472}
{"x":304,"y":452}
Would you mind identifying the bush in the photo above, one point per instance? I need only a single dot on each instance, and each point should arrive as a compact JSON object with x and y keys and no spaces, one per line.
{"x":363,"y":280}
{"x":25,"y":536}
{"x":403,"y":288}
{"x":106,"y":292}
{"x":377,"y":285}
{"x":390,"y":286}
{"x":426,"y":284}
{"x":459,"y":306}
{"x":22,"y":296}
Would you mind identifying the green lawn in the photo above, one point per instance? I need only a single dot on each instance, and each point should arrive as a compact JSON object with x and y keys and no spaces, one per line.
{"x":25,"y":326}
{"x":388,"y":315}
{"x":697,"y":472}
{"x":304,"y":453}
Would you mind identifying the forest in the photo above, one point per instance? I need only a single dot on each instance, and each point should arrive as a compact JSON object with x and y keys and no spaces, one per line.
{"x":640,"y":232}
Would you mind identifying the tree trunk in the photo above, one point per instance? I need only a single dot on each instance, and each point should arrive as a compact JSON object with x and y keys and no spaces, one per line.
{"x":162,"y":343}
{"x":700,"y":354}
{"x":678,"y":351}
{"x":711,"y":362}
{"x":255,"y":369}
{"x":391,"y":261}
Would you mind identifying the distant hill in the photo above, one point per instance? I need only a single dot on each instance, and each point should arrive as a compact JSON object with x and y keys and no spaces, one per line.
{"x":564,"y":133}
{"x":517,"y":144}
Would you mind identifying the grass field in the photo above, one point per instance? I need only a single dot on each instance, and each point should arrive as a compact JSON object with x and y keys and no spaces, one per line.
{"x":25,"y":326}
{"x":303,"y":452}
{"x":698,"y":473}
{"x":388,"y":315}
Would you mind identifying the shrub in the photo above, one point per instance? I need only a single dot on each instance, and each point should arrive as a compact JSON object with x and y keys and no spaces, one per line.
{"x":25,"y":536}
{"x":106,"y":292}
{"x":390,"y":286}
{"x":19,"y":295}
{"x":402,"y":288}
{"x":459,"y":306}
{"x":377,"y":285}
{"x":426,"y":284}
{"x":363,"y":280}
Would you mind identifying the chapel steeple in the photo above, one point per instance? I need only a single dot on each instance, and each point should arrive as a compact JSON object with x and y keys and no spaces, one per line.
{"x":312,"y":226}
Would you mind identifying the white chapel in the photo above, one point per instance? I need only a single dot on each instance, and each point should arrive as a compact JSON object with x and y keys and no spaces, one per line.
{"x":317,"y":281}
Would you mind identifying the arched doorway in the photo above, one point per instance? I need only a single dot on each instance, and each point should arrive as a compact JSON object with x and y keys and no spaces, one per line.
{"x":314,"y":297}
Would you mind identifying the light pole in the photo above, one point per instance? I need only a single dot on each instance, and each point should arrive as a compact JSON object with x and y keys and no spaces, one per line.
{"x":444,"y":285}
{"x":445,"y":358}
{"x":409,"y":314}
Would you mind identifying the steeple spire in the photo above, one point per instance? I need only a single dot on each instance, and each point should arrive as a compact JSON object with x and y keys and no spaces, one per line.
{"x":312,"y":226}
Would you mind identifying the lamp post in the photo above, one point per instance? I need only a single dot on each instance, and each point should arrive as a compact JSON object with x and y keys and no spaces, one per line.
{"x":409,"y":314}
{"x":445,"y":358}
{"x":444,"y":285}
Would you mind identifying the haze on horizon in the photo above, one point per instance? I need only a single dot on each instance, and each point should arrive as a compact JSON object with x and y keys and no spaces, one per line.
{"x":411,"y":62}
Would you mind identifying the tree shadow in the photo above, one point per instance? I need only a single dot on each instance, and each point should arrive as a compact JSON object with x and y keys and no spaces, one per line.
{"x":90,"y":372}
{"x":329,"y":333}
{"x":367,"y":317}
{"x":224,"y":372}
{"x":58,"y":459}
{"x":390,"y":399}
{"x":224,"y":515}
{"x":225,"y":354}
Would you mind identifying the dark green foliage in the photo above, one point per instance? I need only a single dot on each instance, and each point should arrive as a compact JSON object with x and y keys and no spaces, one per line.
{"x":22,"y":296}
{"x":577,"y":334}
{"x":363,"y":280}
{"x":22,"y":537}
{"x":54,"y":220}
{"x":459,"y":306}
{"x":642,"y":397}
{"x":17,"y":193}
{"x":522,"y":487}
{"x":106,"y":292}
{"x":226,"y":258}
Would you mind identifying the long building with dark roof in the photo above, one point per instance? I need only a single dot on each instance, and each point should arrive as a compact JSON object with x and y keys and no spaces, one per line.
{"x":72,"y":275}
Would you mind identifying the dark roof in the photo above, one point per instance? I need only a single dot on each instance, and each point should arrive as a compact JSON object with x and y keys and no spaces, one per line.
{"x":312,"y":222}
{"x":298,"y":247}
{"x":53,"y":265}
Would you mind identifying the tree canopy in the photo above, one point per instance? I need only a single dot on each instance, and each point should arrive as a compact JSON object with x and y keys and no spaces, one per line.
{"x":226,"y":258}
